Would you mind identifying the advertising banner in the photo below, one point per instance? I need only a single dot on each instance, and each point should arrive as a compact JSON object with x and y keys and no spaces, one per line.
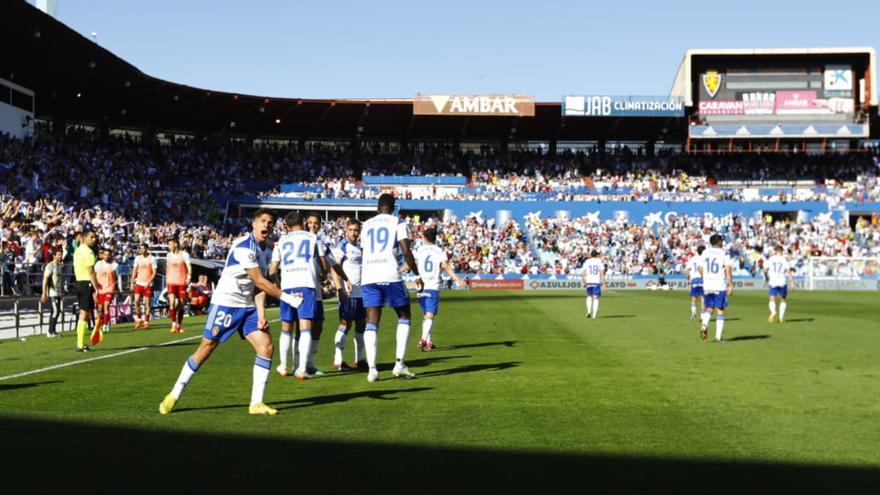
{"x":488,"y":105}
{"x":622,"y":106}
{"x":722,"y":107}
{"x":481,"y":284}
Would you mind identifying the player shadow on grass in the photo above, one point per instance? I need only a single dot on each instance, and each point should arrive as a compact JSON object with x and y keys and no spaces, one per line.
{"x":16,"y":386}
{"x":616,"y":316}
{"x":739,"y":338}
{"x":471,"y":368}
{"x":800,"y":320}
{"x":336,"y":398}
{"x":315,"y":401}
{"x":505,"y":343}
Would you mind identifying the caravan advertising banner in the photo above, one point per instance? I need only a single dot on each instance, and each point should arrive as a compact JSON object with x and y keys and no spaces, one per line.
{"x":487,"y":105}
{"x":622,"y":106}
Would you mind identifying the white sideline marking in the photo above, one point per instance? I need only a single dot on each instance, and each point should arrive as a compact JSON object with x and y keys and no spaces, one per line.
{"x":108,"y":356}
{"x":89,"y":360}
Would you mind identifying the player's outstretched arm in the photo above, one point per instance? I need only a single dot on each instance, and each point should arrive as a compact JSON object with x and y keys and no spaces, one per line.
{"x":341,"y":291}
{"x":448,"y":269}
{"x":263,"y":284}
{"x":728,"y":273}
{"x":260,"y":301}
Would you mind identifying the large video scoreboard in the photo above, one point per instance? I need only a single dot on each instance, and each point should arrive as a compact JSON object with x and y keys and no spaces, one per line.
{"x":797,"y":94}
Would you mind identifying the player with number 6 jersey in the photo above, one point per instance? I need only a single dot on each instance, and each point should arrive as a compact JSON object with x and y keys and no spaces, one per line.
{"x":431,"y":259}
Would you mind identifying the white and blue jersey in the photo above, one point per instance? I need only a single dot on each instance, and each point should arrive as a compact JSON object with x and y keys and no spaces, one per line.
{"x":695,"y":276}
{"x":714,"y":270}
{"x":777,"y":271}
{"x":429,"y":259}
{"x":296,"y":254}
{"x":592,"y":274}
{"x":380,"y":275}
{"x":349,"y":255}
{"x":232,"y":308}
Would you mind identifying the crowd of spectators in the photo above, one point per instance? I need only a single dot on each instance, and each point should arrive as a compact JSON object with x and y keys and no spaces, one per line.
{"x":134,"y":192}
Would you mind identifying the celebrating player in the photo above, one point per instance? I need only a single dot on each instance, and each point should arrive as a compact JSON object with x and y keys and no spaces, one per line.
{"x":107,"y":273}
{"x":178,"y":273}
{"x":142,"y":286}
{"x":778,"y":273}
{"x":695,"y":281}
{"x":717,"y":275}
{"x":351,"y":302}
{"x":593,"y":276}
{"x":382,"y":283}
{"x":295,"y":254}
{"x":237,"y":308}
{"x":430,"y":259}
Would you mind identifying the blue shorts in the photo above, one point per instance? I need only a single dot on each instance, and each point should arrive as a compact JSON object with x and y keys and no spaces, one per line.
{"x":696,"y":291}
{"x":306,"y":311}
{"x":717,"y":300}
{"x":594,"y":290}
{"x":223,"y":321}
{"x":394,"y":293}
{"x":352,"y":310}
{"x":429,"y":300}
{"x":779,"y":291}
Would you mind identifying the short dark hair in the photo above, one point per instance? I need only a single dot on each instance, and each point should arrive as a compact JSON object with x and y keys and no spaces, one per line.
{"x":174,"y":239}
{"x":88,"y":230}
{"x":716,"y":239}
{"x":779,"y":247}
{"x":293,"y":218}
{"x":57,"y":251}
{"x":430,"y":235}
{"x":594,"y":253}
{"x":352,"y":221}
{"x":700,"y":249}
{"x":311,"y":214}
{"x":386,"y":201}
{"x":263,"y":211}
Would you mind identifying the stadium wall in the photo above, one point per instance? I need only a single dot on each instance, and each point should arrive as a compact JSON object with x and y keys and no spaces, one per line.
{"x":652,"y":212}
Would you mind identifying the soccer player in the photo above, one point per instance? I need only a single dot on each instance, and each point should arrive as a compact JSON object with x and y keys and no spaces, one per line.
{"x":236,"y":307}
{"x":107,"y":273}
{"x":778,"y":272}
{"x":593,"y":276}
{"x":178,"y":273}
{"x":381,"y":282}
{"x":142,"y":286}
{"x":85,"y":285}
{"x":52,"y":290}
{"x":351,"y":301}
{"x":717,"y":275}
{"x":430,"y":259}
{"x":295,"y":255}
{"x":695,"y":281}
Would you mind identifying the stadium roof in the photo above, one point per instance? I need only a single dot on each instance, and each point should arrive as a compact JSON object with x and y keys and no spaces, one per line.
{"x":77,"y":80}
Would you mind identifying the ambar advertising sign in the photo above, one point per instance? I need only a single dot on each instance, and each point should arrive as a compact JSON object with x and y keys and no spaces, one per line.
{"x":488,"y":105}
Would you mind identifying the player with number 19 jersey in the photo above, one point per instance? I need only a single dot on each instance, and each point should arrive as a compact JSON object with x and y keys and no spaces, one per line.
{"x":380,"y":278}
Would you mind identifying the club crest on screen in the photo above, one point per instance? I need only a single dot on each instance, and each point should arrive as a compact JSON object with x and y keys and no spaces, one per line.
{"x":712,"y":82}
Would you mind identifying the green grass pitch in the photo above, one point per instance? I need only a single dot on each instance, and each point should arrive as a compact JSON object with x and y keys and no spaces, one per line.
{"x":523,"y":394}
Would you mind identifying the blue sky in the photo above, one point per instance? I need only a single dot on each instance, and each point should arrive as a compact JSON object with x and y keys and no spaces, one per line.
{"x":393,"y":49}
